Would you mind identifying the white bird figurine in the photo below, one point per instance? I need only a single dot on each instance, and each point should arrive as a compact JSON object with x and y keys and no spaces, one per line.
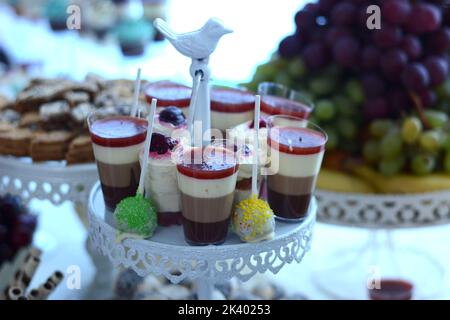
{"x":197,"y":44}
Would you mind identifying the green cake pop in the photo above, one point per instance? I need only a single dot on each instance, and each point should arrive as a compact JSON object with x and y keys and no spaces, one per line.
{"x":136,"y":216}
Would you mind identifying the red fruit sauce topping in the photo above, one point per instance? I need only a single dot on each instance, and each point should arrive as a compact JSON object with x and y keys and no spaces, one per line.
{"x":118,"y":131}
{"x":168,"y":94}
{"x":392,"y":290}
{"x":214,"y":163}
{"x":297,"y":140}
{"x":276,"y":105}
{"x":231,"y":100}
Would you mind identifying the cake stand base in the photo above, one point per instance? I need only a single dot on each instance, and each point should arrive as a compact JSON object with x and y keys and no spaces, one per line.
{"x":349,"y":272}
{"x":101,"y":287}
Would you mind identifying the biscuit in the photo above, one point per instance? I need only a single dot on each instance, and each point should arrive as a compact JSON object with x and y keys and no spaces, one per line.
{"x":16,"y":142}
{"x":50,"y":146}
{"x":10,"y":116}
{"x":74,"y":98}
{"x":80,"y":150}
{"x":4,"y":102}
{"x":80,"y":113}
{"x":43,"y":91}
{"x":6,"y":126}
{"x":29,"y":120}
{"x":55,"y":115}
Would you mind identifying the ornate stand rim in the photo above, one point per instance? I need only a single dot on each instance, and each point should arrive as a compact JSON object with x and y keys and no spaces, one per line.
{"x":46,"y":181}
{"x":379,"y":211}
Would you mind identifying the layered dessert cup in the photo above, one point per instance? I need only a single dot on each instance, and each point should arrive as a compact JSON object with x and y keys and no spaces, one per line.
{"x":278,"y":99}
{"x":117,"y":141}
{"x":230,"y":107}
{"x":296,"y":149}
{"x":169,"y":94}
{"x":161,"y":180}
{"x":207,"y":179}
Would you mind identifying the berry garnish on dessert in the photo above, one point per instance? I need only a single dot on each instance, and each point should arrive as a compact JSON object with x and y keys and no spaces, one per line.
{"x":262,"y":124}
{"x":161,"y":144}
{"x":172,"y":115}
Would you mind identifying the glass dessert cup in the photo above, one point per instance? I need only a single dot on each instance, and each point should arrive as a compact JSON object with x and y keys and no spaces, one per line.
{"x":117,"y":141}
{"x":230,"y":106}
{"x":278,"y":99}
{"x":296,"y":148}
{"x":207,"y":179}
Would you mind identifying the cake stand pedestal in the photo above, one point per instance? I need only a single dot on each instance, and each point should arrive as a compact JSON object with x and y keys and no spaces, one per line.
{"x":56,"y":182}
{"x":167,"y":253}
{"x":344,"y":272}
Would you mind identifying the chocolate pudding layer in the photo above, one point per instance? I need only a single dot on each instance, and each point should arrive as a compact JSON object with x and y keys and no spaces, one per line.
{"x":197,"y":234}
{"x":207,"y":210}
{"x":118,"y":181}
{"x":206,"y":220}
{"x":167,"y":219}
{"x":290,"y":197}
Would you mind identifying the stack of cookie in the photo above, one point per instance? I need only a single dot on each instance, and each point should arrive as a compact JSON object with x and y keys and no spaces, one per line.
{"x":47,"y":121}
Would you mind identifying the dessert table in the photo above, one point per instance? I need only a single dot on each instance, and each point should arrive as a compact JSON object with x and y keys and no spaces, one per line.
{"x":167,"y":254}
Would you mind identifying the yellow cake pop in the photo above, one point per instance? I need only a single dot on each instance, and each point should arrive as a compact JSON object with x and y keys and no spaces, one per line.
{"x":253,"y":219}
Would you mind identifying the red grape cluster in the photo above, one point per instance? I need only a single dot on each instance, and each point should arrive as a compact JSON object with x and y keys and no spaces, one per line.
{"x":407,"y":57}
{"x":17,"y":226}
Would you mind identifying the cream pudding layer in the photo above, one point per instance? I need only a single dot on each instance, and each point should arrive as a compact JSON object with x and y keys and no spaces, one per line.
{"x":206,"y":188}
{"x":295,"y":165}
{"x":119,"y":155}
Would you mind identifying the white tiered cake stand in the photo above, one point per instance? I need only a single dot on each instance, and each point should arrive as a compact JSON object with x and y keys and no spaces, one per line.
{"x":52,"y":181}
{"x":167,"y":254}
{"x":57,"y":182}
{"x":344,"y":272}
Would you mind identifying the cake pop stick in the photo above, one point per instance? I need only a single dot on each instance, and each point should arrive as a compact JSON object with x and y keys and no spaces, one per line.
{"x":137,"y":215}
{"x":253,"y":219}
{"x":256,"y":147}
{"x":137,"y":89}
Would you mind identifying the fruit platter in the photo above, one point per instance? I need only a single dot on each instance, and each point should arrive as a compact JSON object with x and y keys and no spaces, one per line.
{"x":382,"y":94}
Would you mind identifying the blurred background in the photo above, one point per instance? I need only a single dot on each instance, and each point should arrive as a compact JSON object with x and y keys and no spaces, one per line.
{"x":117,"y":37}
{"x":30,"y":39}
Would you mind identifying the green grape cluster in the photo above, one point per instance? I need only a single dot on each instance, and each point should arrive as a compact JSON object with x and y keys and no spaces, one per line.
{"x":406,"y":145}
{"x":337,"y":98}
